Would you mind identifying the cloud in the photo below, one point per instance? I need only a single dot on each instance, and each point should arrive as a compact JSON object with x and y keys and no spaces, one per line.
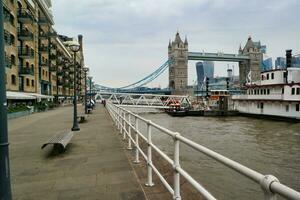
{"x":125,"y":40}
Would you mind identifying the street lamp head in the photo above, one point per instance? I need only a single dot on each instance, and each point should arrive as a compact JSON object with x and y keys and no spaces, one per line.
{"x":90,"y":77}
{"x":85,"y":69}
{"x":74,"y":46}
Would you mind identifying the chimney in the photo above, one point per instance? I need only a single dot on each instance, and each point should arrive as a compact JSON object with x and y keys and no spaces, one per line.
{"x":288,"y":57}
{"x":80,"y":42}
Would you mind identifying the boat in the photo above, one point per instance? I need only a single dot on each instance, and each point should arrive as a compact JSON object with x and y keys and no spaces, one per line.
{"x":275,"y":96}
{"x":175,"y":109}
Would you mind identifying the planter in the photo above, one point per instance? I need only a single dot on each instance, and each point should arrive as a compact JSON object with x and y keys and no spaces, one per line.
{"x":18,"y":114}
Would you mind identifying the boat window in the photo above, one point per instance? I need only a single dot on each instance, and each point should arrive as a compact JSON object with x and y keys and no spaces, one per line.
{"x":297,"y":107}
{"x":268,"y":77}
{"x":287,"y":108}
{"x":272,"y":75}
{"x":293,"y":91}
{"x":268,"y":91}
{"x":282,"y":91}
{"x":261,"y":105}
{"x":217,"y":92}
{"x":298,"y":91}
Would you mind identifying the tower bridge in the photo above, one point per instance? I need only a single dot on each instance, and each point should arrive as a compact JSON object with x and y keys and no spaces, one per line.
{"x":249,"y":59}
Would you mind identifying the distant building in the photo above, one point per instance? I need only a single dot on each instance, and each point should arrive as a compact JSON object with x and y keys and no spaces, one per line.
{"x":296,"y":61}
{"x":204,"y":69}
{"x":267,"y":64}
{"x":280,"y":63}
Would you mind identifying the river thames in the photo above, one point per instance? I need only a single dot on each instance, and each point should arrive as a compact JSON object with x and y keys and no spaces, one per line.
{"x":269,"y":147}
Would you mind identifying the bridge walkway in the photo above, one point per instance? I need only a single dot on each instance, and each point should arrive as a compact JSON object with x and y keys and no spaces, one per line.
{"x":94,"y":165}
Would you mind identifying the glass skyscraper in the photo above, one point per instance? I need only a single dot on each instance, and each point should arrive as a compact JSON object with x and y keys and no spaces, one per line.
{"x":267,"y":64}
{"x":204,"y":69}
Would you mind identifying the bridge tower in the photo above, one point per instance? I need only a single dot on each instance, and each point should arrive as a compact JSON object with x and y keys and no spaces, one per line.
{"x":178,"y":68}
{"x":253,"y":50}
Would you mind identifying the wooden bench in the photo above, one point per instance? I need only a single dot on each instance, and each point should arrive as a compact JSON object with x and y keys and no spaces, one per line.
{"x":60,"y":141}
{"x":81,"y":118}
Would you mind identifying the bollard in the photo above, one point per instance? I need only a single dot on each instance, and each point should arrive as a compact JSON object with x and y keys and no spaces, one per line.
{"x":149,"y":157}
{"x":136,"y":160}
{"x":176,"y":164}
{"x":129,"y":131}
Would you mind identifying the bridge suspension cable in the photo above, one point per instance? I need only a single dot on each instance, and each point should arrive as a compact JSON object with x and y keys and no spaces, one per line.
{"x":143,"y":81}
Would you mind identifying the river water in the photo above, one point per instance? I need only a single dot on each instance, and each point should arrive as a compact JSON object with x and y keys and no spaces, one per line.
{"x":269,"y":147}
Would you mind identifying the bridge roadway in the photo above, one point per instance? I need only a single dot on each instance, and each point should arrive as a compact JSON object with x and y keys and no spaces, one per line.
{"x":94,"y":165}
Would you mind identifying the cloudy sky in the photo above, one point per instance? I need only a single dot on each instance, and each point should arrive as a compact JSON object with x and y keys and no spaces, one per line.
{"x":125,"y":40}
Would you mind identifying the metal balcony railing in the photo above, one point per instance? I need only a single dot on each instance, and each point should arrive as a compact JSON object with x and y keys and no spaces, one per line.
{"x":43,"y":48}
{"x":25,"y":16}
{"x":24,"y":34}
{"x":128,"y":123}
{"x":26,"y":71}
{"x":25,"y":52}
{"x":43,"y":21}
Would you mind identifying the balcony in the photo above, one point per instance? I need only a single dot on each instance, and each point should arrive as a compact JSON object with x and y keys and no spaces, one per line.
{"x":43,"y":48}
{"x":25,"y":53}
{"x":52,"y":34}
{"x":25,"y":16}
{"x":24,"y":34}
{"x":43,"y":63}
{"x":43,"y":21}
{"x":52,"y":56}
{"x":52,"y":68}
{"x":43,"y":35}
{"x":26,"y":71}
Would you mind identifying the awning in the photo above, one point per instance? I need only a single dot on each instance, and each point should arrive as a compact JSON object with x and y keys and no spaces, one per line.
{"x":40,"y":96}
{"x":18,"y":95}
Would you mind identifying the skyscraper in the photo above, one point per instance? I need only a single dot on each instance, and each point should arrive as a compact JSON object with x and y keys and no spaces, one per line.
{"x":280,"y":63}
{"x":204,"y":69}
{"x":267,"y":64}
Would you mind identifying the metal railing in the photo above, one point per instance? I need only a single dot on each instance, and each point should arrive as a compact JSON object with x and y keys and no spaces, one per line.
{"x":128,"y":123}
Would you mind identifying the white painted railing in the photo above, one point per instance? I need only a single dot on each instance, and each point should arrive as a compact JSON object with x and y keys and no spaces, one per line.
{"x":127,"y":122}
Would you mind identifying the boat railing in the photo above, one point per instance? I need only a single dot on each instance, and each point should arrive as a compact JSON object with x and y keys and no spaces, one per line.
{"x":128,"y":124}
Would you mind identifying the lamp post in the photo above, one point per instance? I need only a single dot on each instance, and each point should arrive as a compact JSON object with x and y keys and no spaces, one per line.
{"x":85,"y":70}
{"x":5,"y":188}
{"x":74,"y":47}
{"x":90,"y":82}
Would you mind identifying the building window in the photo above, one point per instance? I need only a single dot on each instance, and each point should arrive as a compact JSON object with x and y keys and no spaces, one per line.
{"x":298,"y":107}
{"x":27,"y":82}
{"x":13,"y":79}
{"x":293,"y":91}
{"x":261,"y":105}
{"x":13,"y":59}
{"x":27,"y":65}
{"x":43,"y":72}
{"x":298,"y":91}
{"x":287,"y":108}
{"x":268,"y":91}
{"x":272,"y":75}
{"x":32,"y":83}
{"x":282,"y":91}
{"x":268,"y":77}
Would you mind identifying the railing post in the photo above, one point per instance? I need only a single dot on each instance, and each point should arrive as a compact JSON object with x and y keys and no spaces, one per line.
{"x":149,"y":157}
{"x":121,"y":121}
{"x":124,"y":125}
{"x":136,"y":160}
{"x":129,"y":131}
{"x":118,"y":117}
{"x":265,"y":184}
{"x":176,"y":164}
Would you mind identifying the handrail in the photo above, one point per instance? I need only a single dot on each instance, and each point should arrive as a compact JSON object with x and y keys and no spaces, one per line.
{"x":269,"y":184}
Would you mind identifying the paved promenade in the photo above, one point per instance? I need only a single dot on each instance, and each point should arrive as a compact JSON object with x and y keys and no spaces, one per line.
{"x":94,"y":165}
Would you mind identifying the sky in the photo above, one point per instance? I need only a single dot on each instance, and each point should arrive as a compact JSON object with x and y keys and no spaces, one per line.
{"x":125,"y":40}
